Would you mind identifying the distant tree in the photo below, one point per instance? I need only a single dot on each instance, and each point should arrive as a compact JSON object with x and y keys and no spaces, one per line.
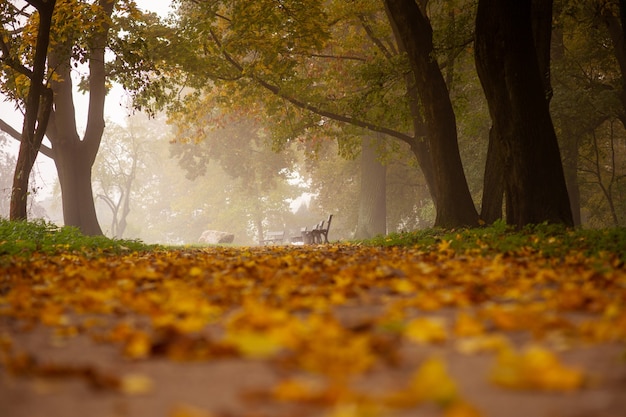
{"x":240,"y":148}
{"x":120,"y":161}
{"x":7,"y":168}
{"x":372,"y":219}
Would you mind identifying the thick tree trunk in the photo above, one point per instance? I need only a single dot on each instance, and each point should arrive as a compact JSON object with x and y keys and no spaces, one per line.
{"x":508,"y":68}
{"x":372,"y":220}
{"x":36,"y":116}
{"x":75,"y":157}
{"x":493,"y":183}
{"x":454,"y":202}
{"x":77,"y":196}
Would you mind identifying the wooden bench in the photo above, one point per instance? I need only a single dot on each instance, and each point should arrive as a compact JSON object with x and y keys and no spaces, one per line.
{"x":318,"y":233}
{"x":273,"y":238}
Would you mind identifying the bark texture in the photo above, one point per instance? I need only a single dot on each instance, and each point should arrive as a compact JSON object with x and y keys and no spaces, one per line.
{"x":509,"y":70}
{"x":38,"y":107}
{"x":454,"y":203}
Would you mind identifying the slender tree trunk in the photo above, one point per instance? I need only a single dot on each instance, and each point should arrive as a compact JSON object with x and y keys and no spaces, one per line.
{"x":36,"y":115}
{"x":454,"y":202}
{"x":125,"y":203}
{"x":493,"y":184}
{"x":509,"y":71}
{"x":569,"y":139}
{"x":372,"y":220}
{"x":615,"y":25}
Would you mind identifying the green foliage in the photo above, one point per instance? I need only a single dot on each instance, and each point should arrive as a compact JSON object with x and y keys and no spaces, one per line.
{"x":26,"y":238}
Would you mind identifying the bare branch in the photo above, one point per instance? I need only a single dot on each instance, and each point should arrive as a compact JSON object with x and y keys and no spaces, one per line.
{"x":7,"y":128}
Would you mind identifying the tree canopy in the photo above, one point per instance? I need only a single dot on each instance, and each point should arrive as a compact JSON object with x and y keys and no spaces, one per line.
{"x":308,"y":73}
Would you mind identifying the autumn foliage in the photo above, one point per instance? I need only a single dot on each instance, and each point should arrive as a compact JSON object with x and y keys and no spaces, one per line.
{"x":346,"y":329}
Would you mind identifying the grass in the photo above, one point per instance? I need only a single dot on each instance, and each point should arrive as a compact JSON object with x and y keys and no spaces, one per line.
{"x":25,"y":238}
{"x":549,"y":240}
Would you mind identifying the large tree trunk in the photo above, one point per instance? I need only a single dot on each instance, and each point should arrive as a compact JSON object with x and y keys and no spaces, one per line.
{"x":453,"y":200}
{"x":74,"y":171}
{"x":75,"y":157}
{"x":509,"y":71}
{"x":493,"y":183}
{"x":372,"y":220}
{"x":38,"y":106}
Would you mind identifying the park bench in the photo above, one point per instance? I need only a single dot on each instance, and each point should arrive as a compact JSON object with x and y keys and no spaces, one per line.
{"x":319,"y":232}
{"x":273,"y":238}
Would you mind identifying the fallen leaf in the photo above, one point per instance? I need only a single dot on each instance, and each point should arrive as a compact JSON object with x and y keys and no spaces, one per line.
{"x":535,"y":368}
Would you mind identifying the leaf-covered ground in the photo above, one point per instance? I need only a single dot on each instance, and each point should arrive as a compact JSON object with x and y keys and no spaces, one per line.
{"x":335,"y":330}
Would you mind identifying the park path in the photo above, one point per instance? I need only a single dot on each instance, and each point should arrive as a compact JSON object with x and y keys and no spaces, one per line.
{"x":329,"y":330}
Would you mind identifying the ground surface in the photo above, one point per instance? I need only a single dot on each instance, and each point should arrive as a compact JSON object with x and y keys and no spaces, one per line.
{"x":333,"y":330}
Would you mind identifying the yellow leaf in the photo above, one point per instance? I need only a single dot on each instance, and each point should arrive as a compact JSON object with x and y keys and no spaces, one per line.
{"x":461,"y":409}
{"x":402,"y":286}
{"x":138,"y":345}
{"x":195,"y":271}
{"x":485,"y":343}
{"x":468,"y":325}
{"x":301,"y":390}
{"x":135,"y":384}
{"x":426,"y":330}
{"x":535,"y":368}
{"x":355,"y":410}
{"x":188,"y":411}
{"x":431,"y":382}
{"x":253,"y":344}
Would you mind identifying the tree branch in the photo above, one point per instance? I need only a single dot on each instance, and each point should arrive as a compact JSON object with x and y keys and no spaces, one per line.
{"x":312,"y":108}
{"x":7,"y":128}
{"x":370,"y":33}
